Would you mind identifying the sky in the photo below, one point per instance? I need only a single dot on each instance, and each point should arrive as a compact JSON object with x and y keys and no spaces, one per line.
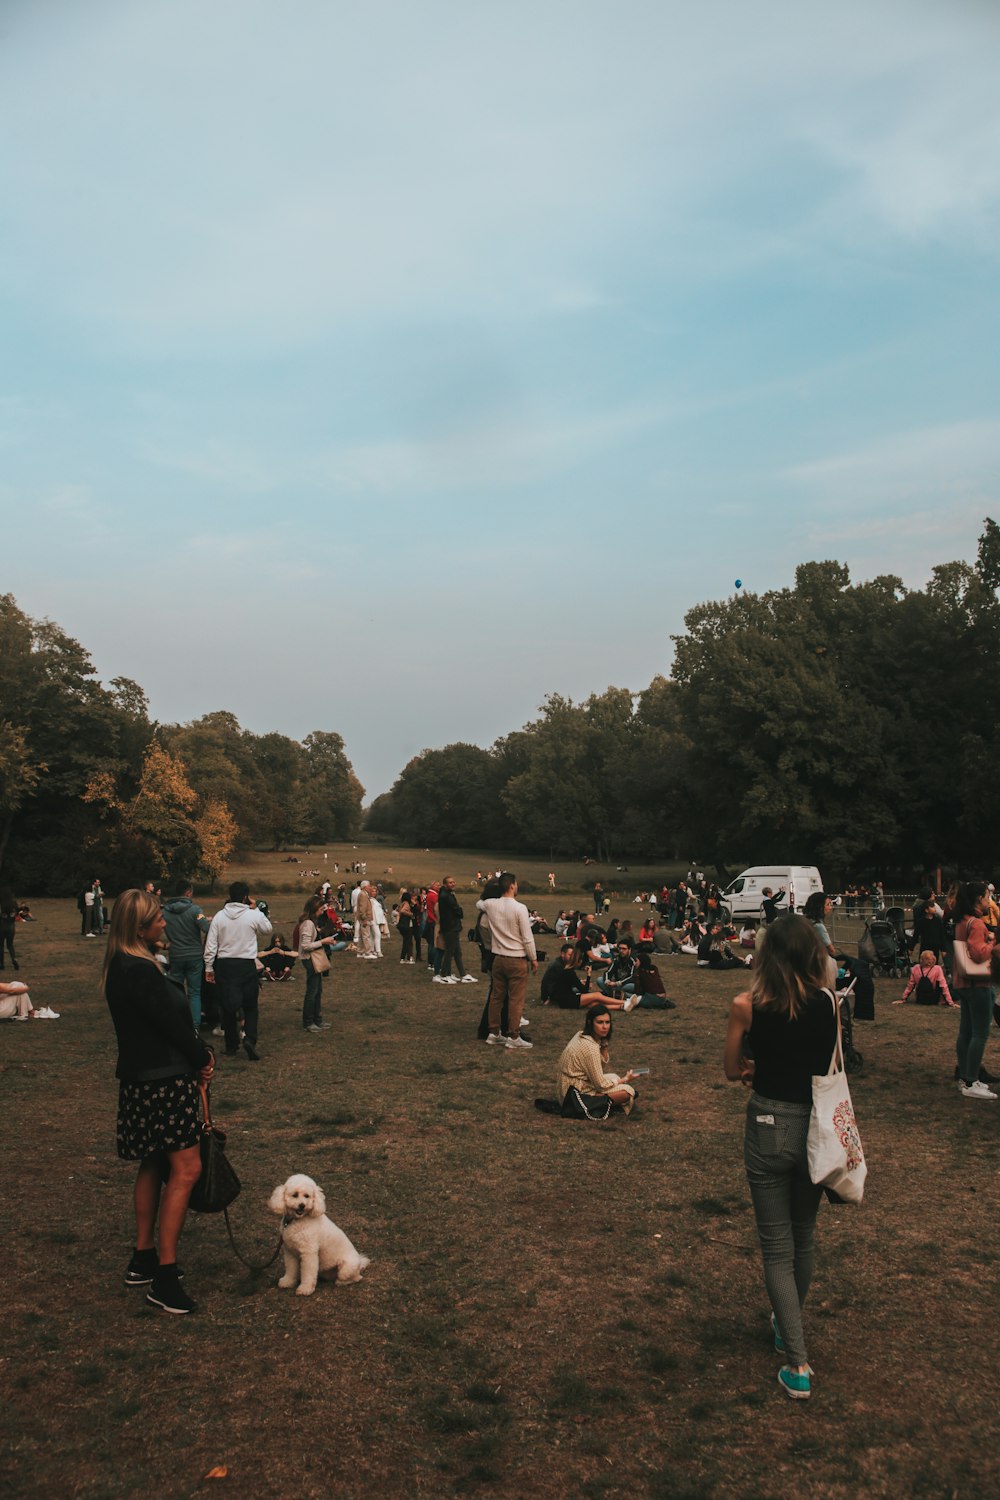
{"x":385,"y":368}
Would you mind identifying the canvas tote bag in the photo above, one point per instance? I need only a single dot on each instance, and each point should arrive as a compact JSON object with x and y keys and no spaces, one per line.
{"x":833,"y":1145}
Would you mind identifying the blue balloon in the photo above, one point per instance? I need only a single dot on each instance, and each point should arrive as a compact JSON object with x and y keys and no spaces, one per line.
{"x":739,"y":583}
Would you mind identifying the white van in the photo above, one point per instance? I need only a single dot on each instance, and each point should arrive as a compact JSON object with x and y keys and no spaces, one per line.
{"x":744,"y":897}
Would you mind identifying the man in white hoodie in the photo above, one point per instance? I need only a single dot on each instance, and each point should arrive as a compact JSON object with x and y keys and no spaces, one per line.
{"x":231,"y":961}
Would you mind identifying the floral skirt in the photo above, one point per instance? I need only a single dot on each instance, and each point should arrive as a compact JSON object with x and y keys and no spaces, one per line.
{"x":162,"y":1115}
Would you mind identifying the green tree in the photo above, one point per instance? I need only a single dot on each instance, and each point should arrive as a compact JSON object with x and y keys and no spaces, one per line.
{"x":451,"y":797}
{"x":331,"y":793}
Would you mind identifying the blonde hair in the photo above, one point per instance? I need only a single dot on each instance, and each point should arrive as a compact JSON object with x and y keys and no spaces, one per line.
{"x":790,"y":960}
{"x":131,"y":912}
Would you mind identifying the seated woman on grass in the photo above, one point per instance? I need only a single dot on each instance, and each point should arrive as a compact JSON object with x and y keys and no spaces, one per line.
{"x":927,"y":985}
{"x":586,"y":1090}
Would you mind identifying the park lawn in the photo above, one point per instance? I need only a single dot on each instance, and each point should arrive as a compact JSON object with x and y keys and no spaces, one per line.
{"x":553,"y":1308}
{"x":574,"y":880}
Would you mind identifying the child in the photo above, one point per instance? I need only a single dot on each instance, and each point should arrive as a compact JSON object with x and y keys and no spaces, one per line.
{"x":927,"y":979}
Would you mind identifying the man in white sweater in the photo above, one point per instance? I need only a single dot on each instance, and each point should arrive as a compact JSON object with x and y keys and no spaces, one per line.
{"x":231,"y":957}
{"x":513,"y":947}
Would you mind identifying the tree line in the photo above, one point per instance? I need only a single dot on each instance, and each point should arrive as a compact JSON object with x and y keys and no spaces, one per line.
{"x":90,"y":785}
{"x":848,"y":725}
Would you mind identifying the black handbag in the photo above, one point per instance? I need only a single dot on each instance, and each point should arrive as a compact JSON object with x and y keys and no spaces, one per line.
{"x":218,"y":1184}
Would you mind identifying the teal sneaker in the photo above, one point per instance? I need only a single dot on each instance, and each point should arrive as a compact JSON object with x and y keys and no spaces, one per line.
{"x":779,"y":1343}
{"x":797,"y":1386}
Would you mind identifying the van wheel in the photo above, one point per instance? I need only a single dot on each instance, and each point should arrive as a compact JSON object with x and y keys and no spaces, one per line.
{"x":725,"y":914}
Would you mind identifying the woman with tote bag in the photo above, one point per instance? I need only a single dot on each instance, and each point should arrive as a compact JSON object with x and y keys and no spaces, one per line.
{"x":789,"y":1021}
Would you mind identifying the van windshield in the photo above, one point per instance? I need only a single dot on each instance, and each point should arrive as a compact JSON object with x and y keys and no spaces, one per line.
{"x":736,"y":888}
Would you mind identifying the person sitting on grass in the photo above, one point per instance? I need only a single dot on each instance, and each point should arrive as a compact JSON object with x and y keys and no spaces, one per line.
{"x":647,"y":934}
{"x":715,"y":953}
{"x":618,"y":976}
{"x":278,"y":961}
{"x":635,"y":977}
{"x":586,"y":1090}
{"x":927,"y":985}
{"x":692,"y":934}
{"x":592,"y":952}
{"x":565,"y":985}
{"x":15,"y":1004}
{"x":649,"y":986}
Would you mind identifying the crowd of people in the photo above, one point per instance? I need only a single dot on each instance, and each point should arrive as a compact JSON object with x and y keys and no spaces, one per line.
{"x":174,"y":978}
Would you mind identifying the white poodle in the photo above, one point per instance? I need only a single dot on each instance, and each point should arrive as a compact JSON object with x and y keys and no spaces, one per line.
{"x":312,"y":1244}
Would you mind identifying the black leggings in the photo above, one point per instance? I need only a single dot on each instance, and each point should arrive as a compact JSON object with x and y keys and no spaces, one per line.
{"x":7,"y":941}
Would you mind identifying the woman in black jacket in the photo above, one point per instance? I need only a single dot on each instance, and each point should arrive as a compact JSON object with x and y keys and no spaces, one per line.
{"x":161,"y":1061}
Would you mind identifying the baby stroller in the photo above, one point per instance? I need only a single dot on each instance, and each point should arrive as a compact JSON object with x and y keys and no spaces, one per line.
{"x":884,"y":948}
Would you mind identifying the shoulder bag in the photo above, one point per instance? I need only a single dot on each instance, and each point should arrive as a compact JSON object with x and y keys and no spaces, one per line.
{"x":218,"y":1184}
{"x":833,"y":1146}
{"x":975,"y":972}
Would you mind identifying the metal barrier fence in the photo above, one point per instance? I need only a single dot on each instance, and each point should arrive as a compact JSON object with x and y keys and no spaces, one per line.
{"x":847,"y":926}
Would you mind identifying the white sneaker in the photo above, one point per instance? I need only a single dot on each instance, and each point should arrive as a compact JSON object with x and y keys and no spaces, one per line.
{"x":438,"y":980}
{"x":630,"y":1003}
{"x":518,"y":1044}
{"x":494,"y":1039}
{"x":48,"y":1014}
{"x":450,"y":979}
{"x":469,"y":979}
{"x":524,"y":1021}
{"x":977,"y":1090}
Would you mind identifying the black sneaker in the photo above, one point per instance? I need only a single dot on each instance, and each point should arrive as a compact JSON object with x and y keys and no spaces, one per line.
{"x":142,"y":1268}
{"x":166,"y":1292}
{"x":250,"y":1050}
{"x":985,"y":1076}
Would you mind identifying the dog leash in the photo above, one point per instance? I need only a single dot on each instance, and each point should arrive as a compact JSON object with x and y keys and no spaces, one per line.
{"x":250,"y":1265}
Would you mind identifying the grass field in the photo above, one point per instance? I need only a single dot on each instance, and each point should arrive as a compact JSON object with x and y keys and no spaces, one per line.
{"x":553,"y":1308}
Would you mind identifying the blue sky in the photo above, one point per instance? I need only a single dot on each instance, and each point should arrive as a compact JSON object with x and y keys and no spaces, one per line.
{"x":341,"y":343}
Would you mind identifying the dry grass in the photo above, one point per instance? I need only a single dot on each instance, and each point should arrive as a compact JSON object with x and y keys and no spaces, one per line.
{"x":553,"y":1308}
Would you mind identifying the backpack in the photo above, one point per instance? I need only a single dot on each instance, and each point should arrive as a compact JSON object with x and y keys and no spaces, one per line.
{"x":927,"y":991}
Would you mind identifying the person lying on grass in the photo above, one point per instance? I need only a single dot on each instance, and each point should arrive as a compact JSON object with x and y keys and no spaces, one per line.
{"x":585,"y":1088}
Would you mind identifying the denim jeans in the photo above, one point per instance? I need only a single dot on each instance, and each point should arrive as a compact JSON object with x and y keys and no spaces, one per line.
{"x":785,"y":1204}
{"x":312,"y":1000}
{"x":188,"y":971}
{"x":973,"y":1030}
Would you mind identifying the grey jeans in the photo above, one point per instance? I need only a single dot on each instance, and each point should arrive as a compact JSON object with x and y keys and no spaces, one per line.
{"x":785,"y":1204}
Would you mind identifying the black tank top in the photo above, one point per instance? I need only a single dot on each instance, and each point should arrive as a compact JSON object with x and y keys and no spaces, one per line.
{"x":788,"y":1053}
